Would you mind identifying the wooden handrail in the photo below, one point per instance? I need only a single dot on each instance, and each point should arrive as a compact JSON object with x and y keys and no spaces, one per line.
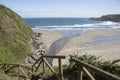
{"x":37,"y":63}
{"x":16,"y":65}
{"x":95,"y":69}
{"x":115,"y":61}
{"x":53,"y":56}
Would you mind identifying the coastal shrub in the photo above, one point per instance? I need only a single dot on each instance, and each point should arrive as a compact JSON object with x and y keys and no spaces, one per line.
{"x":95,"y":61}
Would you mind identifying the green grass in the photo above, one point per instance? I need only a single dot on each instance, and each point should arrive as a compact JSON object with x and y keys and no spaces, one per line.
{"x":5,"y":56}
{"x":6,"y":77}
{"x":15,"y":35}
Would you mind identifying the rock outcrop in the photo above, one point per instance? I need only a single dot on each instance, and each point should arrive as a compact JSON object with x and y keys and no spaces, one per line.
{"x":114,"y":18}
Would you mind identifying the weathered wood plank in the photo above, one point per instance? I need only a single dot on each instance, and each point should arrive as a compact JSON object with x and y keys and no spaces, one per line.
{"x":53,"y":56}
{"x":80,"y":73}
{"x":39,"y":65}
{"x":88,"y":74}
{"x":60,"y":69}
{"x":97,"y":70}
{"x":23,"y":71}
{"x":44,"y":67}
{"x":15,"y":65}
{"x":37,"y":61}
{"x":33,"y":57}
{"x":49,"y":66}
{"x":115,"y":61}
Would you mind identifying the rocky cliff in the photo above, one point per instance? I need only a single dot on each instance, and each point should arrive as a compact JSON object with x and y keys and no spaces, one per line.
{"x":114,"y":18}
{"x":15,"y":35}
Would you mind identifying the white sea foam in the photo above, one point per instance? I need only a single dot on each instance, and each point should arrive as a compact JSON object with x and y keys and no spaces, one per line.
{"x":76,"y":29}
{"x":108,"y":23}
{"x":105,"y":24}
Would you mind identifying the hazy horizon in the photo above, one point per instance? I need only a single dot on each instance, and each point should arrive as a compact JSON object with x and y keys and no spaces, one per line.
{"x":63,"y":8}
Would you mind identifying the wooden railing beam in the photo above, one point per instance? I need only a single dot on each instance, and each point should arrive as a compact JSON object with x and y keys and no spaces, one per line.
{"x":80,"y":73}
{"x":38,"y":65}
{"x":37,"y":61}
{"x":49,"y":66}
{"x":53,"y":56}
{"x":88,"y":74}
{"x":23,"y":71}
{"x":97,"y":70}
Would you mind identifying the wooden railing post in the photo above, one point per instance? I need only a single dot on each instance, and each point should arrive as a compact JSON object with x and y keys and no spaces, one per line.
{"x":18,"y":69}
{"x":28,"y":72}
{"x":4,"y":66}
{"x":21,"y":69}
{"x":60,"y":69}
{"x":102,"y":73}
{"x":79,"y":72}
{"x":43,"y":53}
{"x":44,"y":67}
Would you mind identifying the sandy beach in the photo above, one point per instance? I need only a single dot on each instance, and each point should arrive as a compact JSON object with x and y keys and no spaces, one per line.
{"x":47,"y":38}
{"x":101,"y":43}
{"x":42,"y":40}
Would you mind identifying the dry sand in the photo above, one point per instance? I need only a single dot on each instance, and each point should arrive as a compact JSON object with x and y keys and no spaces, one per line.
{"x":42,"y":42}
{"x":80,"y":44}
{"x":48,"y":37}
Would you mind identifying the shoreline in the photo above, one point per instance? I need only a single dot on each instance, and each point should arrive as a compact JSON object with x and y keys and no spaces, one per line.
{"x":79,"y":44}
{"x":42,"y":40}
{"x":48,"y":37}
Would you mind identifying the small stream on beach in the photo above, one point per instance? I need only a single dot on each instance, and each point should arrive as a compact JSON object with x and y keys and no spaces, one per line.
{"x":57,"y":46}
{"x":72,"y":27}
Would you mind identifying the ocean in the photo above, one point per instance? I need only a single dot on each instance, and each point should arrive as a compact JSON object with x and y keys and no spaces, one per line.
{"x":70,"y":26}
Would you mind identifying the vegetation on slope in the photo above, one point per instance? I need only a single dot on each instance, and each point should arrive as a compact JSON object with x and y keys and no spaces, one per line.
{"x":15,"y":35}
{"x":102,"y":64}
{"x":3,"y":76}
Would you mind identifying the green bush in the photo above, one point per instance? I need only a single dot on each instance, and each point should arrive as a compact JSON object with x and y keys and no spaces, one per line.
{"x":95,"y":61}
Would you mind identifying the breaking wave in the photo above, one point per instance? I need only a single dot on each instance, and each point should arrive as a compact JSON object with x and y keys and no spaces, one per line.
{"x":102,"y":25}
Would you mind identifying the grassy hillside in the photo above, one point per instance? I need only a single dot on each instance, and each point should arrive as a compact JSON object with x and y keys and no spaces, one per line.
{"x":15,"y":35}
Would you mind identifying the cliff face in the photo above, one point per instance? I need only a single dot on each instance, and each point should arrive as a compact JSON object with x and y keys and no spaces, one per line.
{"x":15,"y":35}
{"x":114,"y":18}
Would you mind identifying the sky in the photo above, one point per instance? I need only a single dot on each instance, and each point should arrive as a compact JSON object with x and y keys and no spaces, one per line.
{"x":63,"y":8}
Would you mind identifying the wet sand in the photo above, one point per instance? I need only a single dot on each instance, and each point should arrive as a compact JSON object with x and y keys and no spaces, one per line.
{"x":92,"y":42}
{"x":88,"y":43}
